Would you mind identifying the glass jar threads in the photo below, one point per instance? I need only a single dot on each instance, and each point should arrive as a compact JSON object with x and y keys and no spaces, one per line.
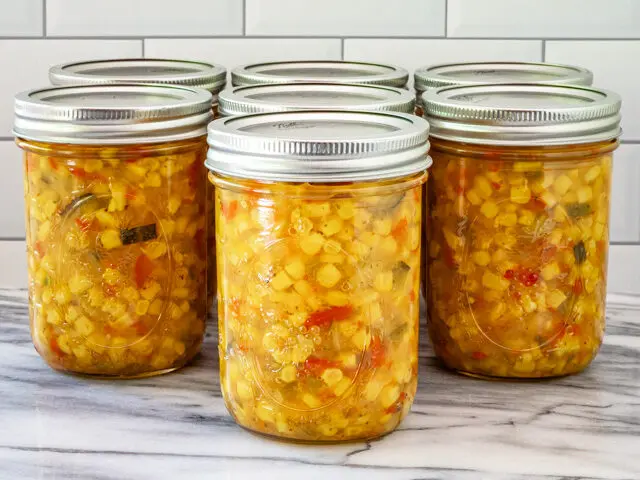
{"x":116,"y":239}
{"x":320,"y":71}
{"x":318,"y":228}
{"x":271,"y":98}
{"x":518,"y":223}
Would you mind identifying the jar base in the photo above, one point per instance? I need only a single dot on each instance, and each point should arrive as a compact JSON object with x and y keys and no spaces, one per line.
{"x":299,"y":441}
{"x":482,"y":376}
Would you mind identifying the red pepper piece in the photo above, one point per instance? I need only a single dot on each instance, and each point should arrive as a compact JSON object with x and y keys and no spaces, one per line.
{"x":52,"y":163}
{"x":55,"y":348}
{"x":84,"y":224}
{"x":315,"y":366}
{"x":531,"y":279}
{"x":496,"y":185}
{"x":38,"y":247}
{"x":412,"y":296}
{"x":230,"y":209}
{"x":377,"y":352}
{"x":400,"y":229}
{"x":479,"y":355}
{"x":578,"y":287}
{"x":447,"y":256}
{"x":325,"y":317}
{"x":142,"y":270}
{"x":397,"y":406}
{"x":509,"y":274}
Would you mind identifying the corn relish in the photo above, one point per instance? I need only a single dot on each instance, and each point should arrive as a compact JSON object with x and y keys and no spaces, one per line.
{"x":518,"y":227}
{"x":116,"y":233}
{"x":318,"y":270}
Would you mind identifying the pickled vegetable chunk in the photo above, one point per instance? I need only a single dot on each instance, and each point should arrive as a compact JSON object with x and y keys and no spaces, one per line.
{"x":318,"y":305}
{"x":517,"y":257}
{"x":117,"y":255}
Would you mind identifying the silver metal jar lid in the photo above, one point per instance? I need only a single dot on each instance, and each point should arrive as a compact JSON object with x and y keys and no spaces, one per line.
{"x":141,"y":70}
{"x":314,"y":96}
{"x":112,"y":114}
{"x":319,"y":146}
{"x":459,"y":74}
{"x":522,"y":114}
{"x":335,"y":71}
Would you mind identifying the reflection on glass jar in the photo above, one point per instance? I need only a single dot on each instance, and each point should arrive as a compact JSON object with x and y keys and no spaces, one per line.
{"x":116,"y":237}
{"x":318,"y":284}
{"x":517,"y":252}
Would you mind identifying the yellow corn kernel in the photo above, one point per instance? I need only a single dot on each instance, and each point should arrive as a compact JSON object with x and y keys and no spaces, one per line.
{"x":341,"y":387}
{"x":53,"y":317}
{"x":151,"y":290}
{"x":110,"y":239}
{"x":521,"y":194}
{"x":328,"y":275}
{"x":295,"y":269}
{"x":383,"y":281}
{"x":337,"y":299}
{"x":382,"y":227}
{"x":593,"y":173}
{"x":111,"y":276}
{"x":155,"y":249}
{"x":389,"y":395}
{"x":548,"y":198}
{"x":562,"y":184}
{"x":361,"y":338}
{"x":550,"y":271}
{"x":47,"y":295}
{"x":373,"y":389}
{"x":331,"y":226}
{"x":528,"y":304}
{"x":156,"y":307}
{"x":63,"y":295}
{"x":92,"y":165}
{"x":79,"y":284}
{"x":507,"y":219}
{"x":451,"y":238}
{"x":473,"y":197}
{"x":388,"y":246}
{"x":489,"y":209}
{"x":63,"y":343}
{"x":585,"y":194}
{"x":84,"y":326}
{"x":130,"y":294}
{"x":264,"y":412}
{"x":499,"y":256}
{"x":303,"y":288}
{"x":281,"y":281}
{"x":483,"y":187}
{"x":43,"y":230}
{"x":288,"y":374}
{"x":316,"y":209}
{"x":180,"y":292}
{"x":348,"y":360}
{"x":360,"y":249}
{"x":153,"y":180}
{"x":106,"y":219}
{"x":311,"y":401}
{"x":118,"y":198}
{"x":481,"y":258}
{"x":332,"y":247}
{"x":331,"y":376}
{"x":555,"y":298}
{"x":311,"y":244}
{"x":345,"y":209}
{"x":526,"y":218}
{"x":142,"y":307}
{"x":370,"y":238}
{"x":494,"y":282}
{"x":174,"y":204}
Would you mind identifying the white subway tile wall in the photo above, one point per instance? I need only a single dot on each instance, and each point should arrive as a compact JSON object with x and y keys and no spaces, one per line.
{"x":603,"y":36}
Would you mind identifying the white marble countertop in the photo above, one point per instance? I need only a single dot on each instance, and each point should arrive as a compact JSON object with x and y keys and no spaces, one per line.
{"x":176,"y":426}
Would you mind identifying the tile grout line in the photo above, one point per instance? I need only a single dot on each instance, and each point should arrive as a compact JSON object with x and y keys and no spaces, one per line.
{"x":44,"y":18}
{"x":310,"y":37}
{"x":446,"y":18}
{"x":244,"y":18}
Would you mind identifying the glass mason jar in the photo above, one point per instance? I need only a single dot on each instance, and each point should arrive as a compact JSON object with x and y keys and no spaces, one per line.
{"x":320,"y":71}
{"x":517,"y":230}
{"x":285,"y":97}
{"x":318,"y":269}
{"x":186,"y":73}
{"x":477,"y":73}
{"x":116,"y":240}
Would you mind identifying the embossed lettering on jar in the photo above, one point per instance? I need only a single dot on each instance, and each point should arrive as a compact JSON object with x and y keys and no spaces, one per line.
{"x":210,"y":77}
{"x":517,"y":231}
{"x":318,"y":269}
{"x":116,"y":239}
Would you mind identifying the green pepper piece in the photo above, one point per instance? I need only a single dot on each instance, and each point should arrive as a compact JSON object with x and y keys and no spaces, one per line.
{"x":579,"y":252}
{"x":576,"y":210}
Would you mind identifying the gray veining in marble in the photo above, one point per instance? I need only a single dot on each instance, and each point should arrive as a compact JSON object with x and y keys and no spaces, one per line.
{"x":55,"y":426}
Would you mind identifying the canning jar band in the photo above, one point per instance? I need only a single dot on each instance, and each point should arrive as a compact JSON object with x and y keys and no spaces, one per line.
{"x":332,"y":191}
